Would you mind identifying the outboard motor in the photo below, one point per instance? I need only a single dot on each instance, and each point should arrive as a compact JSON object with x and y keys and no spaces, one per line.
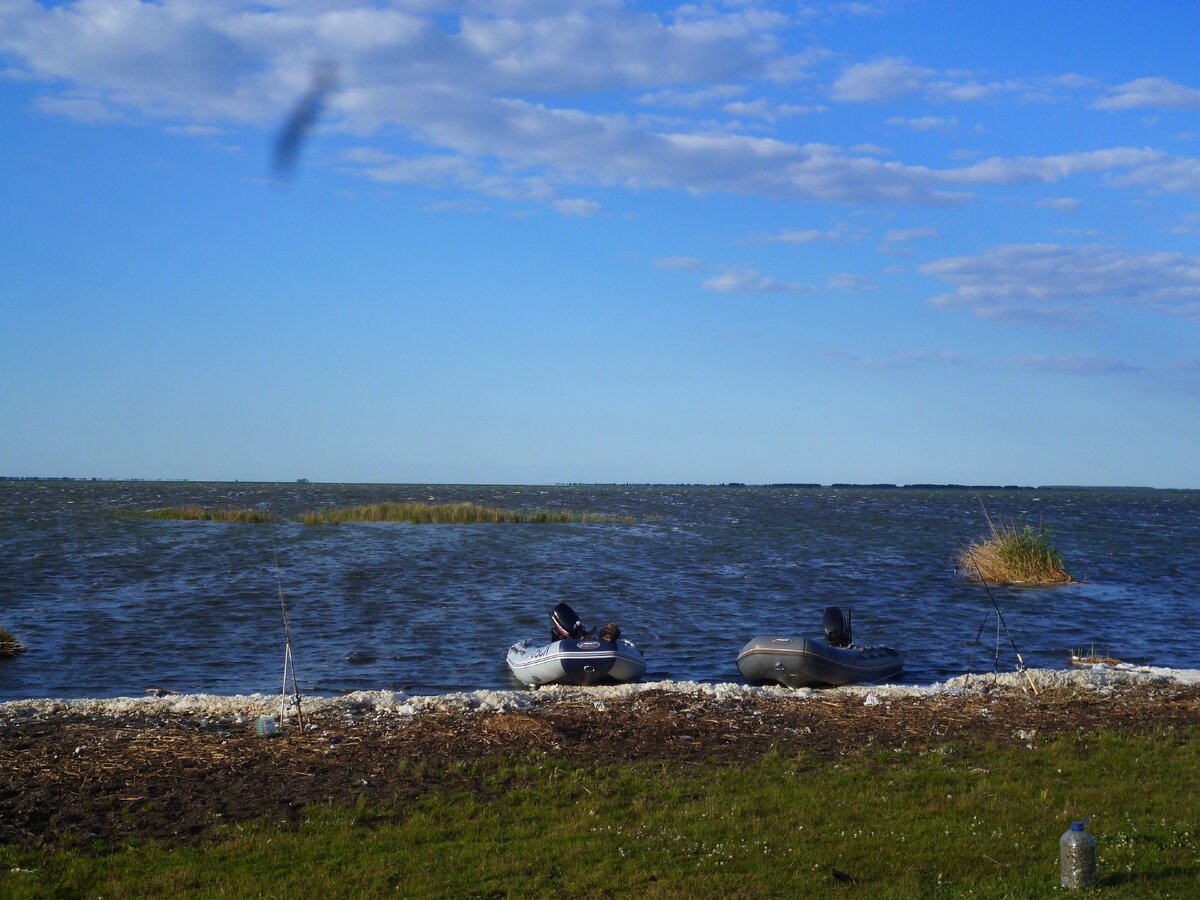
{"x":837,"y":627}
{"x":565,"y":624}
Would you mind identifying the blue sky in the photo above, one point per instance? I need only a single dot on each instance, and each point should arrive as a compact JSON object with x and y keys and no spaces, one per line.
{"x":533,"y":241}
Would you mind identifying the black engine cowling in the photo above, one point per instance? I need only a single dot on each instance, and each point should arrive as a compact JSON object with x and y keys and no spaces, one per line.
{"x":565,"y":624}
{"x":837,"y":627}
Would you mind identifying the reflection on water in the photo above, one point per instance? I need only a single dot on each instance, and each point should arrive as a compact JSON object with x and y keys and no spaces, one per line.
{"x":108,"y":606}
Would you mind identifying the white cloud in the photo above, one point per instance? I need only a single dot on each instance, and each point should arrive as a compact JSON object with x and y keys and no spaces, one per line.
{"x":884,"y":79}
{"x":1056,"y":284}
{"x":367,"y":156}
{"x":905,"y":235}
{"x":1188,"y":224}
{"x":967,"y":91}
{"x":907,"y":360}
{"x":847,"y":281}
{"x":604,"y":45}
{"x":729,"y":99}
{"x":1178,"y":175}
{"x":749,"y":281}
{"x":809,"y":235}
{"x":1062,"y":204}
{"x":925,"y":123}
{"x":895,"y":77}
{"x":674,"y":98}
{"x":870,"y":150}
{"x":198,"y":131}
{"x":1076,"y":365}
{"x":82,"y":109}
{"x":456,"y":206}
{"x":1153,"y":93}
{"x":572,"y":145}
{"x":1079,"y":232}
{"x":468,"y":93}
{"x":431,"y":170}
{"x":1079,"y":364}
{"x":578,"y":208}
{"x":771,"y":112}
{"x":1049,"y":169}
{"x":859,"y":9}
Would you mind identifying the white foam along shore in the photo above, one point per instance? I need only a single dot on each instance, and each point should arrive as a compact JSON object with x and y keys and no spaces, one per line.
{"x":378,"y":704}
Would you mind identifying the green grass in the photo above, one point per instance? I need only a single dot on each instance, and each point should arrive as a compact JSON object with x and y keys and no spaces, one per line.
{"x":966,"y":822}
{"x":1015,"y":553}
{"x":9,"y":645}
{"x":417,"y":513}
{"x":201,"y":514}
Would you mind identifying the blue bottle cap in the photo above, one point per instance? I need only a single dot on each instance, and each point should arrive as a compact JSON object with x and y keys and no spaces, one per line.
{"x":1077,"y":826}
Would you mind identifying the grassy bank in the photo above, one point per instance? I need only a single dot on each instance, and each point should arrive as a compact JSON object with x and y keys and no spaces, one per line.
{"x":417,"y":513}
{"x":201,"y":514}
{"x":1015,"y":553}
{"x":9,"y":645}
{"x":982,"y":821}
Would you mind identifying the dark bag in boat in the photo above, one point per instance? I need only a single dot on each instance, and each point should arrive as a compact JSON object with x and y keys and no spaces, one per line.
{"x":610,"y":632}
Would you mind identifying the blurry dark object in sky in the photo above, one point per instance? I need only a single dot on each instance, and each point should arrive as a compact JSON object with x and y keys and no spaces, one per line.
{"x":301,"y":120}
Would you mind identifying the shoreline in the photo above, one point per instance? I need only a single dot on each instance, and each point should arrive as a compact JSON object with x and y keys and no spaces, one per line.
{"x":183,"y":769}
{"x":240,"y":708}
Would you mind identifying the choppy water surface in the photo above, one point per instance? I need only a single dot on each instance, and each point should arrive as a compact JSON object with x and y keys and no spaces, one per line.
{"x":110,"y":606}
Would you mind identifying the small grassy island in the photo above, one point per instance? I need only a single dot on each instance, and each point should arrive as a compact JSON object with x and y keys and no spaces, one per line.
{"x":201,"y":514}
{"x":417,"y":513}
{"x":9,"y":645}
{"x":1015,"y":553}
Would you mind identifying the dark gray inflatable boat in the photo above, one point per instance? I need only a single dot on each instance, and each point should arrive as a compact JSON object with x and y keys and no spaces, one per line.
{"x":805,"y":662}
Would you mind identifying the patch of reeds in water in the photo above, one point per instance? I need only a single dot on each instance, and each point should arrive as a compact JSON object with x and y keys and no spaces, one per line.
{"x":9,"y":645}
{"x":418,"y":513}
{"x":202,"y":514}
{"x":1015,"y":553}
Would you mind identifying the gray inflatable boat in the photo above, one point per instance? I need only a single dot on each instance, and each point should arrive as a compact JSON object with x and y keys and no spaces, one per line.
{"x":573,"y":656}
{"x":806,"y":662}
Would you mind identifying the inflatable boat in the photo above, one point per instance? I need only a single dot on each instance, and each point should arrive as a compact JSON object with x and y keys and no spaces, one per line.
{"x":573,"y":656}
{"x":805,"y":662}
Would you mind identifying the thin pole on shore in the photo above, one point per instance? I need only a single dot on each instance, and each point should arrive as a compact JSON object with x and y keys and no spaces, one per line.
{"x":975,"y":646}
{"x":999,"y":616}
{"x":1000,"y":621}
{"x":289,"y":663}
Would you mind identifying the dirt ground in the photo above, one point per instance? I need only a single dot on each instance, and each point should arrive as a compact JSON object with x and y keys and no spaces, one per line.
{"x":73,"y":779}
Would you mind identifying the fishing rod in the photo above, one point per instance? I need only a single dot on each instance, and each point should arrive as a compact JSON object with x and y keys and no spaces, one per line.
{"x":289,"y":662}
{"x":1000,"y":617}
{"x":975,"y":646}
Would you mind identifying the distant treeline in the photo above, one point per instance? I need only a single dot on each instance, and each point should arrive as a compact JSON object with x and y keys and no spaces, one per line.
{"x":811,"y":485}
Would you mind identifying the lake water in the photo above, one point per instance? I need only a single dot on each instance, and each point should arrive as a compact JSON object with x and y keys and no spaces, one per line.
{"x":110,"y":606}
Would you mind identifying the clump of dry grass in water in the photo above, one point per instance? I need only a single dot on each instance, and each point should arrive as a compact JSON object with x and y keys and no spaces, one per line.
{"x":203,"y":514}
{"x":9,"y":645}
{"x":1015,"y":553}
{"x":417,"y":513}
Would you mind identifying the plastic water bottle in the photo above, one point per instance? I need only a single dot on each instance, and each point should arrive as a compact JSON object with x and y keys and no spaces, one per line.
{"x":264,"y":726}
{"x":1077,"y":858}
